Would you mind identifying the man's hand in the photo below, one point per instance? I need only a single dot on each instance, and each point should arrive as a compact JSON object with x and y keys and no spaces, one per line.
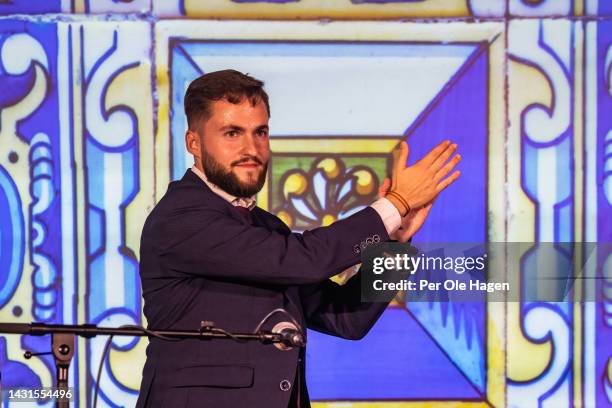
{"x":420,"y":183}
{"x":412,"y":222}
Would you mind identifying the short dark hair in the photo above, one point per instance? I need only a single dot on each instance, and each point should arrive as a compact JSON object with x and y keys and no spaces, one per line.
{"x":228,"y":84}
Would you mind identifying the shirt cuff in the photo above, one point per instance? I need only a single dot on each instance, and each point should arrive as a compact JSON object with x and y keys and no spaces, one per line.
{"x":388,"y":213}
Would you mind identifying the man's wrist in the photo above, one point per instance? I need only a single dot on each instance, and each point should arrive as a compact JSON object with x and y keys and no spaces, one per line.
{"x":388,"y":213}
{"x":398,"y":202}
{"x":395,"y":203}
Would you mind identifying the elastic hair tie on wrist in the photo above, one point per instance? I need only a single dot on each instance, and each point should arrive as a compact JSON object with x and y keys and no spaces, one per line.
{"x":402,"y":201}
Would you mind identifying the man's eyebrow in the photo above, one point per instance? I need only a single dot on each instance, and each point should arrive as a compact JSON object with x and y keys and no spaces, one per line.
{"x":263,"y":127}
{"x":232,"y":127}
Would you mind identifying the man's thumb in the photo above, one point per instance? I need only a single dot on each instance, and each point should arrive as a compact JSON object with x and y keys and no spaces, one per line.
{"x":401,"y":158}
{"x":384,"y":187}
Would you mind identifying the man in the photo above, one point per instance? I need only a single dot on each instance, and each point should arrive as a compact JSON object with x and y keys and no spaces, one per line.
{"x":209,"y":253}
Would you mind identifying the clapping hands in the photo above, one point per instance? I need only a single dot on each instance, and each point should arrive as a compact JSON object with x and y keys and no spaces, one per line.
{"x":418,"y":185}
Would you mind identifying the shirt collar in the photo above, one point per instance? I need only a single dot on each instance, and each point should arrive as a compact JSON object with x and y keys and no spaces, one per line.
{"x":236,"y":201}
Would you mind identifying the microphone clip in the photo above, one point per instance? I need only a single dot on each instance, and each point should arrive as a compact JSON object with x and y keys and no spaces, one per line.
{"x":290,"y":336}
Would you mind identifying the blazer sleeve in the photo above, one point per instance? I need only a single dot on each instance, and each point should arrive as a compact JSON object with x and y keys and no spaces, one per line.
{"x":208,"y":242}
{"x":338,"y":310}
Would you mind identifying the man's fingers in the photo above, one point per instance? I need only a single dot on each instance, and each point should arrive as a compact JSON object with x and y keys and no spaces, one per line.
{"x":439,"y":162}
{"x":404,"y":235}
{"x":448,"y":181}
{"x":434,"y":153}
{"x":448,"y":167}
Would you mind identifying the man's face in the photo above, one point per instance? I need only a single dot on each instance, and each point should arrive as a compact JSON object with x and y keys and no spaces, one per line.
{"x":232,"y":147}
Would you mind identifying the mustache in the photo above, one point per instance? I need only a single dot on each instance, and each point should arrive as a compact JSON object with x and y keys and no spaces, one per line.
{"x":247,"y":159}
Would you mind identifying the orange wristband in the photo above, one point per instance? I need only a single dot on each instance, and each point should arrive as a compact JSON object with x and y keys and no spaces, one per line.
{"x":402,"y":200}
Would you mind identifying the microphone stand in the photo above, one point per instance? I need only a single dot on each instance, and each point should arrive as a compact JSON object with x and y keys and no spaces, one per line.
{"x":63,"y":339}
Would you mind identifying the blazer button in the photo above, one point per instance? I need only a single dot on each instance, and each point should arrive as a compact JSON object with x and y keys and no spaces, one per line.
{"x":285,"y":385}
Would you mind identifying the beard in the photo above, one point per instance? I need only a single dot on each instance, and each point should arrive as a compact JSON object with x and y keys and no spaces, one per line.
{"x":228,"y":181}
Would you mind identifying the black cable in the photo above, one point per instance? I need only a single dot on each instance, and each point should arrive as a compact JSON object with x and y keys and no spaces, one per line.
{"x":149,"y":332}
{"x":106,"y":347}
{"x":278,"y":310}
{"x":228,"y":334}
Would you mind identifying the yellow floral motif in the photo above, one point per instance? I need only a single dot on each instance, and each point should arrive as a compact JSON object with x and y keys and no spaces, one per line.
{"x":325,"y":193}
{"x":296,"y":184}
{"x":365,"y":182}
{"x":330,"y":167}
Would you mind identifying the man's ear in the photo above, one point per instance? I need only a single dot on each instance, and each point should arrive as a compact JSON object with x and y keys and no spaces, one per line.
{"x":192,"y":142}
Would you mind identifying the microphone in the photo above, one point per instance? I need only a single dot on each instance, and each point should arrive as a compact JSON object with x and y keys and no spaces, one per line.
{"x":290,"y":336}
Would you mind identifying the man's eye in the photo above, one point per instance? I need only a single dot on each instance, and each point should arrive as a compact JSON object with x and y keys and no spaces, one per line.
{"x":231,"y":133}
{"x":262,"y":133}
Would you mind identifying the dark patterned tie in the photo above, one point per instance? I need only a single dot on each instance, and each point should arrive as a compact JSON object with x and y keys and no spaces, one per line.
{"x":245,"y":213}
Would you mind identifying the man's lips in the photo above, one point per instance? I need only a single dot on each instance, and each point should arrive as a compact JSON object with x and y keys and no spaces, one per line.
{"x":249,"y":165}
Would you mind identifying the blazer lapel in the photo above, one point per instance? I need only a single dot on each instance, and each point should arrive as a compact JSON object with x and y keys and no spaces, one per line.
{"x":191,"y":177}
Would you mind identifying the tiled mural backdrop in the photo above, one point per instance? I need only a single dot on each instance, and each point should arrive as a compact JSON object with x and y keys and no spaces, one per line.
{"x":91,"y":132}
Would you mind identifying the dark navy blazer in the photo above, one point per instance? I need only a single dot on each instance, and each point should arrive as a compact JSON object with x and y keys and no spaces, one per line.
{"x":200,"y":260}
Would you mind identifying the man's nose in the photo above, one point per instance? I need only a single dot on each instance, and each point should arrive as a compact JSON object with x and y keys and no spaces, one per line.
{"x":248,"y":145}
